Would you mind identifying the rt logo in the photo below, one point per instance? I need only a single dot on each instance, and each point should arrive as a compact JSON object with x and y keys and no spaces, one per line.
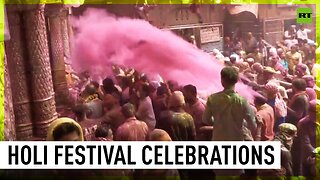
{"x":304,"y":15}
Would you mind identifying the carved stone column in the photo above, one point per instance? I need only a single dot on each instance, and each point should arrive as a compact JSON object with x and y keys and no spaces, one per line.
{"x":55,"y":19}
{"x":15,"y":50}
{"x":70,"y":31}
{"x":65,"y":32}
{"x":43,"y":102}
{"x":9,"y":124}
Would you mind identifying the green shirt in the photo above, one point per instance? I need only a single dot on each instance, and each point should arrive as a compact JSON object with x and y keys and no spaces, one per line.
{"x":228,"y":112}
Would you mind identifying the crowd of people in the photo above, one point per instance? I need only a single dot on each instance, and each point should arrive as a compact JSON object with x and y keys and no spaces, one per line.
{"x":130,"y":107}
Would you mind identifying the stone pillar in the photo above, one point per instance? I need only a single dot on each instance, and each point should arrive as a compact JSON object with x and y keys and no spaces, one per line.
{"x":70,"y":31}
{"x":43,"y":102}
{"x":9,"y":124}
{"x":65,"y":32}
{"x":56,"y":41}
{"x":15,"y":50}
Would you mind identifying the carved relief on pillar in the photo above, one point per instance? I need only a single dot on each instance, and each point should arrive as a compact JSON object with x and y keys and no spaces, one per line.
{"x":65,"y":33}
{"x":55,"y":18}
{"x":9,"y":124}
{"x":15,"y":50}
{"x":44,"y":110}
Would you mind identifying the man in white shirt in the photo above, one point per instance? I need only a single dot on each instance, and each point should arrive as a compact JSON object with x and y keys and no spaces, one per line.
{"x":302,"y":34}
{"x":290,"y":36}
{"x":290,"y":33}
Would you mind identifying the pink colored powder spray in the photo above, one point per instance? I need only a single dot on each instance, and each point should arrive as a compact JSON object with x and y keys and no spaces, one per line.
{"x":102,"y":40}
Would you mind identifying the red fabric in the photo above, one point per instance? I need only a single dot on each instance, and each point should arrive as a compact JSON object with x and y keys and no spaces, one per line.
{"x":294,"y":97}
{"x":267,"y":115}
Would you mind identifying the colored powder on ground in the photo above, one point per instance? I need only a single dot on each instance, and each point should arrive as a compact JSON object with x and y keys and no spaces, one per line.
{"x":102,"y":39}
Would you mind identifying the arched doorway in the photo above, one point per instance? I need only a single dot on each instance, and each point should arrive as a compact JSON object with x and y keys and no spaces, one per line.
{"x":241,"y":21}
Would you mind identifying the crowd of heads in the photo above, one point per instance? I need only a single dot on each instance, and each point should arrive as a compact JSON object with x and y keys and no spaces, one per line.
{"x":128,"y":106}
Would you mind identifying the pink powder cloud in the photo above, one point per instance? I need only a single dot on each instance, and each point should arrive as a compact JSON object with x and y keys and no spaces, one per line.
{"x":102,"y":39}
